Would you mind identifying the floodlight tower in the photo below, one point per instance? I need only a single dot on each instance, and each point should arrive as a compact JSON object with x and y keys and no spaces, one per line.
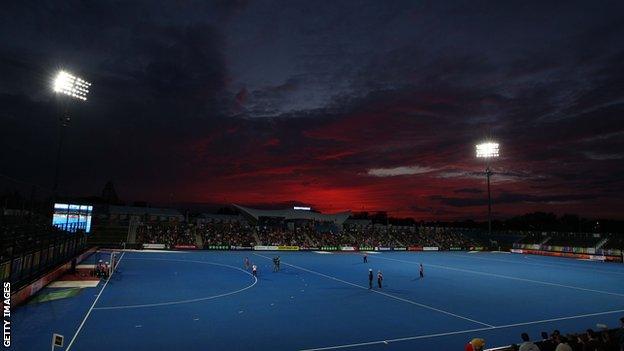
{"x":488,"y":150}
{"x":74,"y":88}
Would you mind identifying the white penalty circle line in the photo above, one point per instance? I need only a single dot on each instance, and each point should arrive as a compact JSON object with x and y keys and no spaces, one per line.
{"x":184,"y":301}
{"x":489,"y":326}
{"x":159,"y":259}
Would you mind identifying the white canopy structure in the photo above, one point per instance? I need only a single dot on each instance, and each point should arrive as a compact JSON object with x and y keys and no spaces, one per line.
{"x":292,"y":214}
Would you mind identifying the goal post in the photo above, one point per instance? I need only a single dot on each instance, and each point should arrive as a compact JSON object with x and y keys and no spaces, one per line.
{"x":114,"y":261}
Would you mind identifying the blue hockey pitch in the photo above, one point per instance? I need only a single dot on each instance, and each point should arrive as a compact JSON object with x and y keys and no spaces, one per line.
{"x":206,"y":300}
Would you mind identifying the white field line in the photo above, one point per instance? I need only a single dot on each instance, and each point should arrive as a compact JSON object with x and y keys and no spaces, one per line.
{"x":510,"y":277}
{"x":383,"y":293}
{"x":534,"y":258}
{"x":93,"y":305}
{"x":559,"y":265}
{"x":387,"y":341}
{"x":183,"y":301}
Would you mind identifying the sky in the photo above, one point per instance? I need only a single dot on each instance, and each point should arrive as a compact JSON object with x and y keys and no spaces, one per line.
{"x":341,"y":105}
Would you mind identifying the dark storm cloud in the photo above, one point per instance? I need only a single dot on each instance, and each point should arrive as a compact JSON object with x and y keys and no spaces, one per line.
{"x":373,"y":105}
{"x":155,"y":84}
{"x":509,"y":198}
{"x":468,"y":191}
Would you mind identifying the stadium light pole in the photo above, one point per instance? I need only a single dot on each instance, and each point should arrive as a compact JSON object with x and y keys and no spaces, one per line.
{"x":71,"y":87}
{"x":487,"y":151}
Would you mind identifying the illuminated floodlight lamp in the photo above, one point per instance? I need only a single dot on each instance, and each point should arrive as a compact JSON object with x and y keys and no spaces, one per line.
{"x":68,"y":84}
{"x":487,"y":150}
{"x":302,"y":208}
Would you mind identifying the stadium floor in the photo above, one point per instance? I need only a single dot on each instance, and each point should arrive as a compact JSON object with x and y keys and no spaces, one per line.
{"x":204,"y":300}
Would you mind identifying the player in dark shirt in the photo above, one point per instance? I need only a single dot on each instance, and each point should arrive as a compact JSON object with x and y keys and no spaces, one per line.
{"x":370,"y":278}
{"x":379,"y":279}
{"x":274,"y":264}
{"x":365,"y":258}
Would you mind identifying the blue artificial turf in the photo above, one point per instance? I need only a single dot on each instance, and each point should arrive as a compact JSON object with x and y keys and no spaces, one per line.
{"x":205,"y":301}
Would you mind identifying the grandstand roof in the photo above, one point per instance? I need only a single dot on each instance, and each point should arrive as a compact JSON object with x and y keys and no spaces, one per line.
{"x":132,"y":210}
{"x":359,"y":222}
{"x":337,"y":218}
{"x":221,"y":217}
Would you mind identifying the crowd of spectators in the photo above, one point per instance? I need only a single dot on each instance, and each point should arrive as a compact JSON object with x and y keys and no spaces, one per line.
{"x":590,"y":340}
{"x":573,"y":239}
{"x":226,"y":233}
{"x":569,"y":239}
{"x":446,"y":238}
{"x":305,"y":234}
{"x":371,"y":235}
{"x":309,"y":234}
{"x":170,"y":234}
{"x":532,"y":238}
{"x":298,"y":235}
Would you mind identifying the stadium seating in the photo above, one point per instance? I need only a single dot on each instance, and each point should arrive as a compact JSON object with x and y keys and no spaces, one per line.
{"x":573,"y":239}
{"x":306,"y":234}
{"x":614,"y":242}
{"x":225,"y":233}
{"x":170,"y":234}
{"x":603,"y":340}
{"x":31,"y":246}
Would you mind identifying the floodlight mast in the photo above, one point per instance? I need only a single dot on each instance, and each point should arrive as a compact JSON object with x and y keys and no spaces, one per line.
{"x":75,"y":88}
{"x":488,"y":150}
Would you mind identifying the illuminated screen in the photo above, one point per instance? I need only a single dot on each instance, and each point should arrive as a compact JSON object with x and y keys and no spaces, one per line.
{"x":72,"y":217}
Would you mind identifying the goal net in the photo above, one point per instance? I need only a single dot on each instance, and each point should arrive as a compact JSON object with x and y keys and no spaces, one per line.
{"x":114,"y":261}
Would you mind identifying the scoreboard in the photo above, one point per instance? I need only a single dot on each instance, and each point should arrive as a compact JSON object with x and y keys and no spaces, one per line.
{"x":71,"y":217}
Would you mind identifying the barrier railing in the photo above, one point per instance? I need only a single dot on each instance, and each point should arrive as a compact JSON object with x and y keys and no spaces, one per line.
{"x":31,"y":289}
